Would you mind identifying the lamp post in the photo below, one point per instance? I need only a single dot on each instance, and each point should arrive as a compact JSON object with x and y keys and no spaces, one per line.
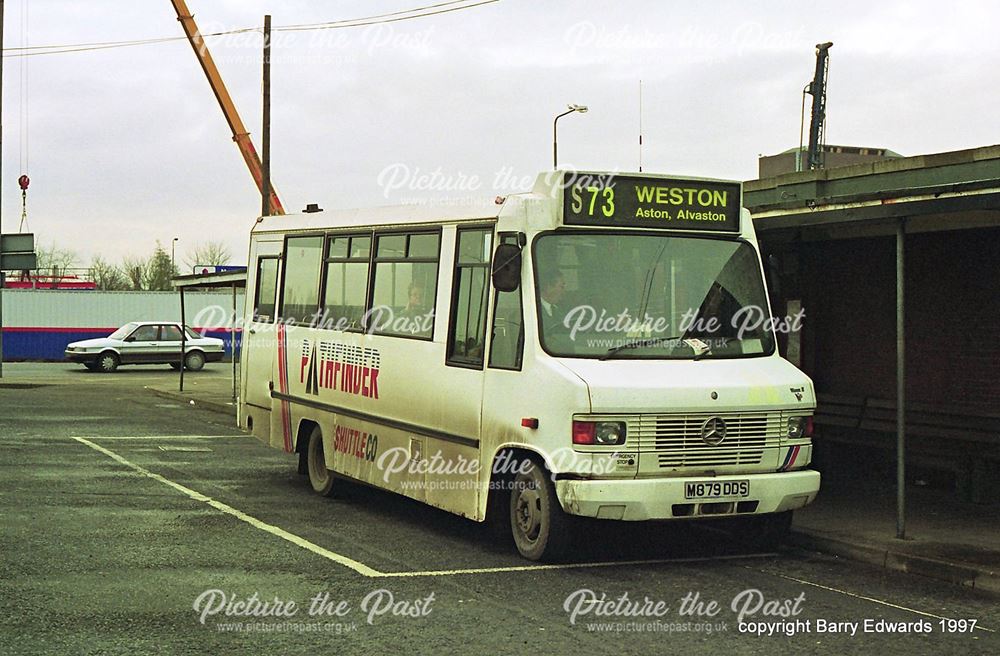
{"x":555,"y":137}
{"x":173,"y":244}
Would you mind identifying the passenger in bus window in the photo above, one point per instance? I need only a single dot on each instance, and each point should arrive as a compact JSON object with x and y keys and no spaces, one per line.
{"x":416,"y":304}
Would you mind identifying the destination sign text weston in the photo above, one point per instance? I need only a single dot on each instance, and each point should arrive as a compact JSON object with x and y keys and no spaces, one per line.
{"x":656,"y":203}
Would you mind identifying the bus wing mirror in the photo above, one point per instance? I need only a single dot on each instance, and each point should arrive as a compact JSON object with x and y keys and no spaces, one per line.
{"x":507,"y":267}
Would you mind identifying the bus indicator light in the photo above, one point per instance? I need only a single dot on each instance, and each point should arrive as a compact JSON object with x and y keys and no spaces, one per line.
{"x":584,"y":432}
{"x":529,"y":422}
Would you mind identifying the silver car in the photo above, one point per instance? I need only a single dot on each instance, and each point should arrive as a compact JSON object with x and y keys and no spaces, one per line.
{"x":146,"y":342}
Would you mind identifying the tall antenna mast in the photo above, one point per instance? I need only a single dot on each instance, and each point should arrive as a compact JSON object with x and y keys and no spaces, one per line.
{"x":817,"y":89}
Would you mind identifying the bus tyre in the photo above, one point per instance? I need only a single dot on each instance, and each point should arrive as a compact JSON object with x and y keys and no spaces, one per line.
{"x":320,"y":477}
{"x":194,"y":361}
{"x":498,"y":513}
{"x":107,"y":362}
{"x":541,"y":530}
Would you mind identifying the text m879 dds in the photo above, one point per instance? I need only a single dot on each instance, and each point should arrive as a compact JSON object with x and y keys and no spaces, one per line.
{"x":716,"y":489}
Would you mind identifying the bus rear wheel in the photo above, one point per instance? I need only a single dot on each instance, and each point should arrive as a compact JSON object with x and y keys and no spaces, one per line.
{"x":320,"y":477}
{"x":541,"y":530}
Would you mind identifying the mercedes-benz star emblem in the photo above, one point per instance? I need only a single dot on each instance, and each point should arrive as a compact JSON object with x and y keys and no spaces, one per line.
{"x":713,"y":431}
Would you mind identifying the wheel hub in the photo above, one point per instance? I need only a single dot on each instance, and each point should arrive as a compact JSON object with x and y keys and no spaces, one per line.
{"x":528,"y":514}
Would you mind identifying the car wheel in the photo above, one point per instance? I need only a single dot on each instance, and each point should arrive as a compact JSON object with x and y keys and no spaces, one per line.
{"x":194,"y":361}
{"x":320,"y":477}
{"x":107,"y":362}
{"x":541,"y":530}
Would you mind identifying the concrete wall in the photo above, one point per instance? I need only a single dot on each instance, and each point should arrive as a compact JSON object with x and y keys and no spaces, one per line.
{"x":769,"y":166}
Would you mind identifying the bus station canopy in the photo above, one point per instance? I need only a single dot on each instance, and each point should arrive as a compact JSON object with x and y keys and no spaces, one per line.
{"x":211,"y":280}
{"x":231,"y":279}
{"x":941,"y":191}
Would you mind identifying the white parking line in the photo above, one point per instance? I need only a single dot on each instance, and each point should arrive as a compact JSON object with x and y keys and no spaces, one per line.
{"x":536,"y":568}
{"x":102,"y":438}
{"x":359,"y":567}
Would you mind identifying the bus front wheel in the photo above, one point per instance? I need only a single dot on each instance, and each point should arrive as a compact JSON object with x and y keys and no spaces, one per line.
{"x":320,"y":477}
{"x":542,"y":531}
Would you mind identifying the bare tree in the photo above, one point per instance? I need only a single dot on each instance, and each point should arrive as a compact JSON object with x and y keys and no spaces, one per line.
{"x":134,"y":268}
{"x":209,"y":253}
{"x":107,"y":276}
{"x":54,"y":259}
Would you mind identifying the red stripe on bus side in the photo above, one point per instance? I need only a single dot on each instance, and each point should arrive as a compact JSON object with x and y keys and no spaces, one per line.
{"x":286,"y":421}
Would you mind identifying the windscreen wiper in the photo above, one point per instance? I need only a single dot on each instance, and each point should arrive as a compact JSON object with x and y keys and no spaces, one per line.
{"x":638,"y":343}
{"x":658,"y":341}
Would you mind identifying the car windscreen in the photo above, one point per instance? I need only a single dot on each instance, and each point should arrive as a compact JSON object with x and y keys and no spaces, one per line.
{"x":647,"y":296}
{"x":124,"y":331}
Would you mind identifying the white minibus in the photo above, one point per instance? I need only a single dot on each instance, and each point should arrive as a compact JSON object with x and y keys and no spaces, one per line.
{"x":599,"y":347}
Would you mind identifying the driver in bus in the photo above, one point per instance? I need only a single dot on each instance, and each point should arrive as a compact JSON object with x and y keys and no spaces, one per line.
{"x":552,"y":289}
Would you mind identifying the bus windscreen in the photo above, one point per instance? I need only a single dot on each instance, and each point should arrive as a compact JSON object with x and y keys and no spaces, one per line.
{"x":613,"y":295}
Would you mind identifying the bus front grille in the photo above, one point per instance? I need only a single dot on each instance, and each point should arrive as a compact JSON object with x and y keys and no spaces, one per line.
{"x":676,"y":440}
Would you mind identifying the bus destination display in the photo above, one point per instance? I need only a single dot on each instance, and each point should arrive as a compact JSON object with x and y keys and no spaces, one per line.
{"x":592,"y":199}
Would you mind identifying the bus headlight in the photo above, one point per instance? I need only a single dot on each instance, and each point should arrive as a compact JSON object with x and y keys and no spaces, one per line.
{"x":799,"y":427}
{"x":600,"y":433}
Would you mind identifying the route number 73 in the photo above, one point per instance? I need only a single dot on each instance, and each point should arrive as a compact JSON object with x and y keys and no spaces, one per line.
{"x":607,"y":200}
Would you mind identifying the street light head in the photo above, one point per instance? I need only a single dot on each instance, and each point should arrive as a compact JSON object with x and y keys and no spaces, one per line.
{"x":578,"y":108}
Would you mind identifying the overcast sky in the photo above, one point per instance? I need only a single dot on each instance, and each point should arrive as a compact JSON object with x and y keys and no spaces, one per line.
{"x":127,"y":146}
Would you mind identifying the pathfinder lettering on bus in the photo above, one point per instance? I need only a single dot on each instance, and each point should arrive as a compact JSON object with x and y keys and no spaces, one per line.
{"x":340,"y":367}
{"x":355,"y":443}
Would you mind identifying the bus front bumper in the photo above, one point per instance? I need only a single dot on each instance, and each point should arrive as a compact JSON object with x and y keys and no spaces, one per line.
{"x":664,"y":498}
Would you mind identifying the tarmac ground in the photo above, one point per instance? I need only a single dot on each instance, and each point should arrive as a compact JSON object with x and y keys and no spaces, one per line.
{"x":133,"y":521}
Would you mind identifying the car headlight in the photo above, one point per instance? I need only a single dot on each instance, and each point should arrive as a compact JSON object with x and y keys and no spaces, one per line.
{"x":600,"y":433}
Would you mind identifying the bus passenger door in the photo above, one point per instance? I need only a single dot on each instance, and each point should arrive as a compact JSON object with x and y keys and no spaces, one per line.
{"x":259,"y":340}
{"x":508,"y":393}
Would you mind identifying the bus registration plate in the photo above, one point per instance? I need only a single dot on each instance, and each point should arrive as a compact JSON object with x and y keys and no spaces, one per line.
{"x":716,"y":489}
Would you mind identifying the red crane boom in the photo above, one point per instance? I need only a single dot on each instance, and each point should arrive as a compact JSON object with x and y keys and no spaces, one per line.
{"x":240,"y":134}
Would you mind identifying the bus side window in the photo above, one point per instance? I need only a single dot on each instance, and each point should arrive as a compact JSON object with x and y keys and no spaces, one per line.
{"x":346,"y":283}
{"x":467,"y":336}
{"x":267,"y":289}
{"x":404,"y":284}
{"x":300,"y":284}
{"x":507,"y":342}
